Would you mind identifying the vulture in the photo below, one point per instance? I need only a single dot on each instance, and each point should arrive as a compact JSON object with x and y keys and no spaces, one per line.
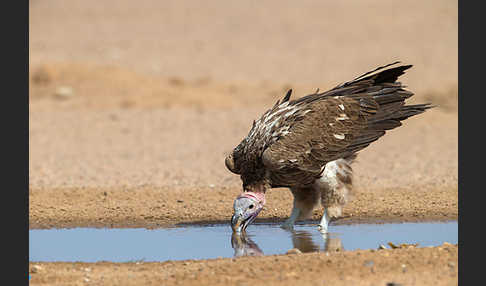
{"x":308,"y":144}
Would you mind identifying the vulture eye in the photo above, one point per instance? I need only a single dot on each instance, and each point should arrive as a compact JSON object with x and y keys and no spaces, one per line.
{"x":250,"y":207}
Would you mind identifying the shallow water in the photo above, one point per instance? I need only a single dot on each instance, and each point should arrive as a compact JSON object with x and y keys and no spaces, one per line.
{"x":203,"y":242}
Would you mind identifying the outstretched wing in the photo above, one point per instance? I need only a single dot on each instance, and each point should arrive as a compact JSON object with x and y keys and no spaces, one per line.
{"x":336,"y":124}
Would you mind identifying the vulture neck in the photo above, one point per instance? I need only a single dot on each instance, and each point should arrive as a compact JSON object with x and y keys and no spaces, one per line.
{"x":257,"y":190}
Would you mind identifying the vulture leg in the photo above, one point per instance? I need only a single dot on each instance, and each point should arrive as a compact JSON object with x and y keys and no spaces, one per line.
{"x":305,"y":200}
{"x":335,"y":187}
{"x":324,"y":222}
{"x":289,"y":223}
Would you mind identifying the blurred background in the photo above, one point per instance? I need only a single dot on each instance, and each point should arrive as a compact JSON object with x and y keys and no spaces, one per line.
{"x":150,"y":92}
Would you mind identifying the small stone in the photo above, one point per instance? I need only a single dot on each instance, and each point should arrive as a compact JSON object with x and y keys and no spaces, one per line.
{"x":392,"y":245}
{"x":86,"y":280}
{"x":36,"y":268}
{"x":294,"y":251}
{"x":180,"y":201}
{"x":381,"y":247}
{"x":64,"y":92}
{"x":291,"y":274}
{"x":451,"y":264}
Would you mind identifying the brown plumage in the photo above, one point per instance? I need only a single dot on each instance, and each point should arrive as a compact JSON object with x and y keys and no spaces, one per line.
{"x":290,"y":145}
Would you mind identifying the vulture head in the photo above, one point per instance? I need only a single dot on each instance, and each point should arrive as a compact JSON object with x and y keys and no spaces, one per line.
{"x":245,"y":209}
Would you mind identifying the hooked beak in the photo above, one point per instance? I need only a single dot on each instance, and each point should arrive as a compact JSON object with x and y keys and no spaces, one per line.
{"x":236,"y":223}
{"x":239,"y":223}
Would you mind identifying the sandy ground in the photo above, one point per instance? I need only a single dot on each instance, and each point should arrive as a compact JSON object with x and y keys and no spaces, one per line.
{"x":133,"y":108}
{"x":415,"y":266}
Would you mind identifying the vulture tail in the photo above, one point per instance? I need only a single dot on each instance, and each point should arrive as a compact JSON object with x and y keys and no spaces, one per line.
{"x":383,"y":100}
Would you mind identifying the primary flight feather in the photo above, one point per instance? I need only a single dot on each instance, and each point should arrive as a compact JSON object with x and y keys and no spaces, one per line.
{"x":308,"y":144}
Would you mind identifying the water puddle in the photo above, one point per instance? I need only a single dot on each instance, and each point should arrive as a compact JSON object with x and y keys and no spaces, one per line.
{"x":204,"y":242}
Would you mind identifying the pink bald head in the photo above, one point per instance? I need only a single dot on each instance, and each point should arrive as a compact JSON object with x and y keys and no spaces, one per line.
{"x":259,"y":197}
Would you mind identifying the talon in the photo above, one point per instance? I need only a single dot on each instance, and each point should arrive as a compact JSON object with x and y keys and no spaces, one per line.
{"x":322,"y":229}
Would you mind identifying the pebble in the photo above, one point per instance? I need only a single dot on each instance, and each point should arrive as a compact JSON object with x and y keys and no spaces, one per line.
{"x":392,"y":245}
{"x":64,"y":92}
{"x":291,"y":274}
{"x":294,"y":251}
{"x":36,"y":268}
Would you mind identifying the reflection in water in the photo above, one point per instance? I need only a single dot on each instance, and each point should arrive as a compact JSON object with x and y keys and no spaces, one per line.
{"x":332,"y":244}
{"x":244,"y":246}
{"x":301,"y":239}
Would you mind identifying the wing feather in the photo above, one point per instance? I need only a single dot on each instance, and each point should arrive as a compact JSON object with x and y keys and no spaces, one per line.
{"x":340,"y":122}
{"x":293,"y":140}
